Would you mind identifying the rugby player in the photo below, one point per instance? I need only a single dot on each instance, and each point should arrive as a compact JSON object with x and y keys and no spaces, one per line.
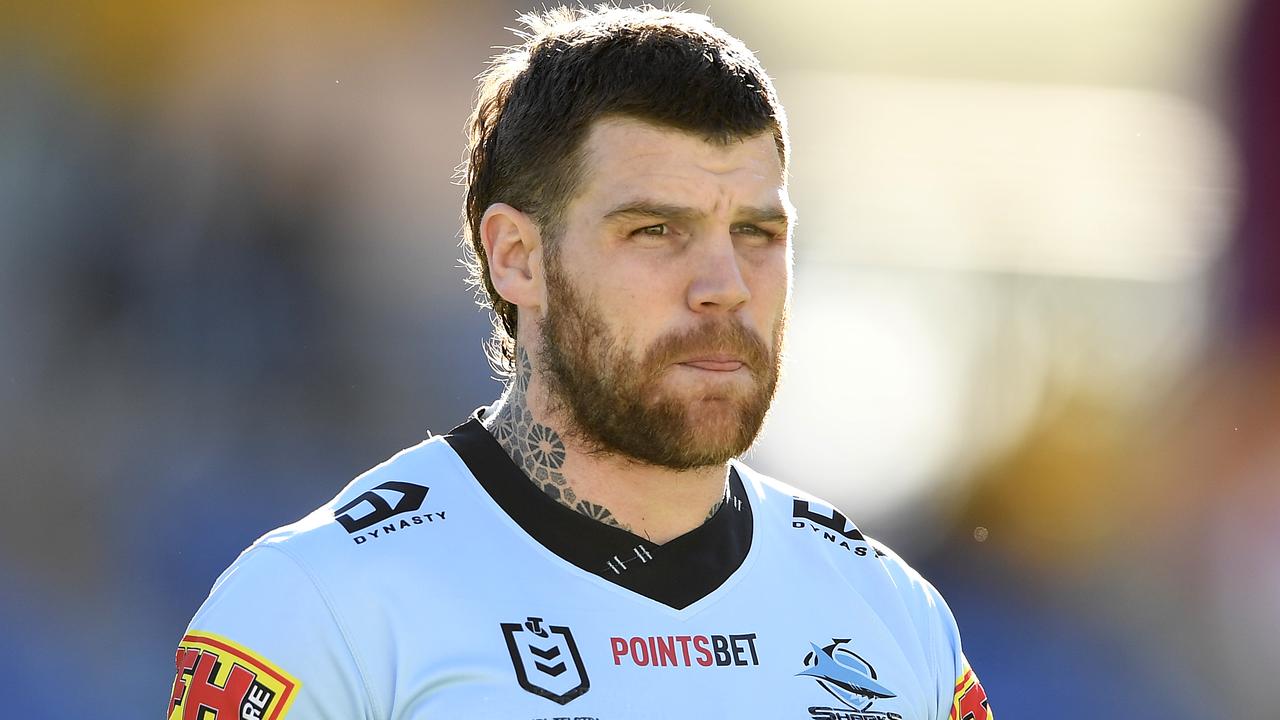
{"x":588,"y":546}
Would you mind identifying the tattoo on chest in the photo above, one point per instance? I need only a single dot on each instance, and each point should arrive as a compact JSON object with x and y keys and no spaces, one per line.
{"x":538,"y":450}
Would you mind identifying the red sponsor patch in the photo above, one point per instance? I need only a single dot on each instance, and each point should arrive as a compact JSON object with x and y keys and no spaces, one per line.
{"x":970,"y":701}
{"x":217,"y":679}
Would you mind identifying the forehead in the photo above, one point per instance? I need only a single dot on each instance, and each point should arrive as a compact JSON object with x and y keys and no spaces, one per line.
{"x":624,"y":158}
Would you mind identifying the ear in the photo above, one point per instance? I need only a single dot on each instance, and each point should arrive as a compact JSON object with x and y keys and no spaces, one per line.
{"x":513,"y":246}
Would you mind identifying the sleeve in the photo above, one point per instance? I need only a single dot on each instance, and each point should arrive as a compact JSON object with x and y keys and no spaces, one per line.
{"x":962,"y":698}
{"x":970,"y":700}
{"x":266,"y":645}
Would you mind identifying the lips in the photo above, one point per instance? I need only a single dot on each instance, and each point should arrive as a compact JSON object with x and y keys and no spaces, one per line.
{"x":716,"y":363}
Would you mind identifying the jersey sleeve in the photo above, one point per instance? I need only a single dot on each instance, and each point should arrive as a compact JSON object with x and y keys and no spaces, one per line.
{"x":962,"y":698}
{"x":970,"y":700}
{"x":266,"y":645}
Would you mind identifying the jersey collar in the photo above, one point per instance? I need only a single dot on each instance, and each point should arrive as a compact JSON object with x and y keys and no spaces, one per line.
{"x":677,"y":573}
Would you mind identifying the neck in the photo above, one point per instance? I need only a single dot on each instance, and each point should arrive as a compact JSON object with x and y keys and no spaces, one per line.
{"x":656,"y":503}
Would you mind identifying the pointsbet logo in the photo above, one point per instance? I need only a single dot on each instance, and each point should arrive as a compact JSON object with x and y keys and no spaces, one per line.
{"x":685,"y":650}
{"x":217,"y":679}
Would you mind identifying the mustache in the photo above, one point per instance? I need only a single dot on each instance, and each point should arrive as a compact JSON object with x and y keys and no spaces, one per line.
{"x":713,"y":337}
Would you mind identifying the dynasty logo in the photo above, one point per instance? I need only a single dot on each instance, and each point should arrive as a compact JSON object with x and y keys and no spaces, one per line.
{"x":546,"y":660}
{"x":831,"y":525}
{"x":374,"y":507}
{"x":848,"y":678}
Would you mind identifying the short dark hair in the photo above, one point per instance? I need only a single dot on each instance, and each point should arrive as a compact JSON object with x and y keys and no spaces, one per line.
{"x":538,"y":100}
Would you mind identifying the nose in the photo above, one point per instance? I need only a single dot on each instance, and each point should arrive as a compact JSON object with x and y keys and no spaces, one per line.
{"x":718,"y":283}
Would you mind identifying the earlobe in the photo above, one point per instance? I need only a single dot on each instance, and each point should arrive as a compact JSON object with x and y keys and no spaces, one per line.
{"x":512,"y":245}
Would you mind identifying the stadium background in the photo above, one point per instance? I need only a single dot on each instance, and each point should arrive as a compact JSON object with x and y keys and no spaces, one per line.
{"x":1033,"y":344}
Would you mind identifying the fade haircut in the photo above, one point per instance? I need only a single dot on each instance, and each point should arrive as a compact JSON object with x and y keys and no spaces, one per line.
{"x":538,"y":100}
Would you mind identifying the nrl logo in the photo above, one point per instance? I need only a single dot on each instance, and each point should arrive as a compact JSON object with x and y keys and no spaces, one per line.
{"x":546,"y":660}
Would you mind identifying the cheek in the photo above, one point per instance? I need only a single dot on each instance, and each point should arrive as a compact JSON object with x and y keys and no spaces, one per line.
{"x":770,"y":280}
{"x":622,"y":309}
{"x":771,"y":299}
{"x":635,"y":292}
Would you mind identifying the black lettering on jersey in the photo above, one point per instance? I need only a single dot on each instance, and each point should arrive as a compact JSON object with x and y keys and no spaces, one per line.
{"x":720,"y":645}
{"x":741,"y":644}
{"x":830,"y":713}
{"x":408,"y":522}
{"x":256,"y":701}
{"x":411,"y":497}
{"x":836,"y":521}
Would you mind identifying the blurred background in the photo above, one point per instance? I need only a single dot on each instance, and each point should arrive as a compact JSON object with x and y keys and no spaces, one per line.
{"x":1035,"y":342}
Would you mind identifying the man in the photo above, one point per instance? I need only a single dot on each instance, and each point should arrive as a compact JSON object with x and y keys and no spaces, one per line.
{"x":587,"y":547}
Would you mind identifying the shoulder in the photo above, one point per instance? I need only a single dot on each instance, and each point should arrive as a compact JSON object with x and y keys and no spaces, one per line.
{"x":923,"y":600}
{"x":816,"y":535}
{"x":775,"y":496}
{"x":345,"y":541}
{"x":814,"y":526}
{"x":399,"y":486}
{"x":783,"y":506}
{"x":294,"y":605}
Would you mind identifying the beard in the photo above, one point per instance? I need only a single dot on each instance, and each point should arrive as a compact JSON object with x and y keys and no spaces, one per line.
{"x":615,"y":401}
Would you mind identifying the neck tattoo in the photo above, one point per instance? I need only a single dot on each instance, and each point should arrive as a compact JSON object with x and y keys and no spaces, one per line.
{"x":715,"y":507}
{"x":537,"y":449}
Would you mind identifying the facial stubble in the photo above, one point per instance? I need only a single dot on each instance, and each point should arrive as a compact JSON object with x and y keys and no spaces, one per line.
{"x":616,"y":404}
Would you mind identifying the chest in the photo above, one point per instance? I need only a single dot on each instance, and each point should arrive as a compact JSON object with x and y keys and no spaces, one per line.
{"x":508,"y":632}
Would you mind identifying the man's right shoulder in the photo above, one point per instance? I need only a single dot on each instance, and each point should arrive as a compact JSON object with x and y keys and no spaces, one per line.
{"x":286,"y":610}
{"x":394,"y":496}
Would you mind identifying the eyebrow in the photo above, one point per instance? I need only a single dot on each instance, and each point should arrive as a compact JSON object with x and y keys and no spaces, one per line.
{"x":649,"y":209}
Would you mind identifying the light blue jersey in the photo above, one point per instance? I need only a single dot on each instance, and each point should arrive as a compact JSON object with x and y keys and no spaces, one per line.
{"x":443,"y":584}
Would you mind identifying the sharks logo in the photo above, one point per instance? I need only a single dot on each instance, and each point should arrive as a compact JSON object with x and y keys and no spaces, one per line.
{"x":848,"y":678}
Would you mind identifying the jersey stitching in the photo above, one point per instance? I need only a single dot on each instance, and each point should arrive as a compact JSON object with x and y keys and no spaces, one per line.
{"x":333,"y":615}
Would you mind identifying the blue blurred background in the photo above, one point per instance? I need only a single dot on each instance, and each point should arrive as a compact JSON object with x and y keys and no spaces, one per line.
{"x":1035,"y":342}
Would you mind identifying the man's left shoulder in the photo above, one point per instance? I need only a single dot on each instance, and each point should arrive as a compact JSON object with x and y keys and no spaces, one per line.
{"x":819,"y":527}
{"x":780,"y":504}
{"x":769,"y":493}
{"x":816,"y":535}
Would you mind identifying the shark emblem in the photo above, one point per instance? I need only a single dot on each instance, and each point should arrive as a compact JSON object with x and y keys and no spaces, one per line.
{"x":844,"y":674}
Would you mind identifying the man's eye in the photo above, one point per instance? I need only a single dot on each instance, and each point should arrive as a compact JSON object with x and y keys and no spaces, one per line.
{"x":653,"y":230}
{"x":757,"y":233}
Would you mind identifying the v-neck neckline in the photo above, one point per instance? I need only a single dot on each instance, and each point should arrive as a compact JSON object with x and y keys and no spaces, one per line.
{"x":677,"y":574}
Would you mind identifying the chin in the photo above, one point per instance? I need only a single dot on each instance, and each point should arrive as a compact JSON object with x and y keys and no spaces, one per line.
{"x":716,"y":422}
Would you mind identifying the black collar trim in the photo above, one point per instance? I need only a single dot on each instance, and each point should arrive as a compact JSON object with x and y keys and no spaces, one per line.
{"x":676,"y":574}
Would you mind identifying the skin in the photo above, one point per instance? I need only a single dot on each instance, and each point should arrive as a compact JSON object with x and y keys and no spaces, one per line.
{"x":668,"y":232}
